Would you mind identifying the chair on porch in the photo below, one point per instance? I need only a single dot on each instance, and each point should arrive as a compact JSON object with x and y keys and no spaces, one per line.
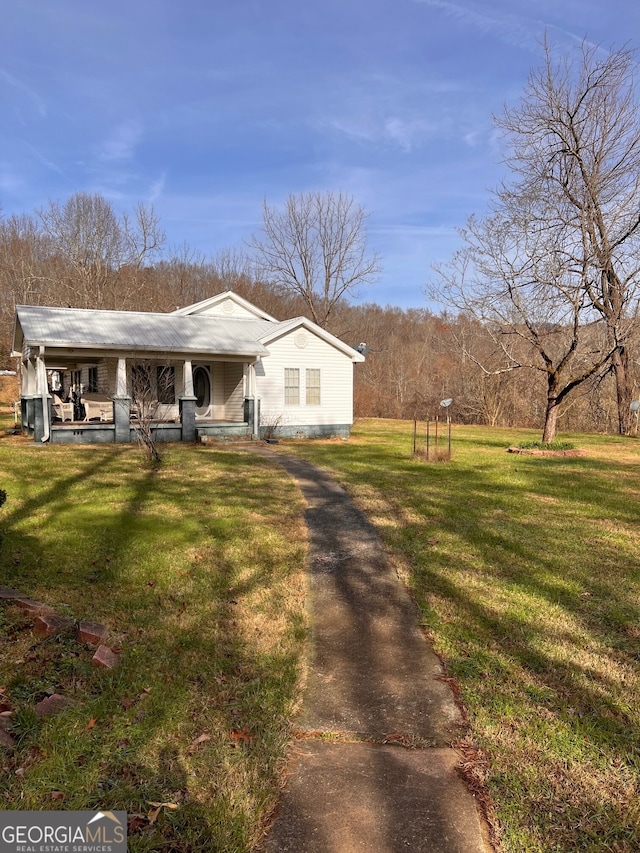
{"x":61,"y":410}
{"x":97,"y":406}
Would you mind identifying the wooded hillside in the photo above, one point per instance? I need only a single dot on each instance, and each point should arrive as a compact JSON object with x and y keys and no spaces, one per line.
{"x":81,"y":254}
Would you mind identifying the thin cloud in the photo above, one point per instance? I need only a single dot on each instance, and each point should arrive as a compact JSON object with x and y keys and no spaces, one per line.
{"x":122,"y":143}
{"x":44,"y":160}
{"x":402,"y":111}
{"x":514,"y":30}
{"x":157,"y":188}
{"x":407,"y":133}
{"x":25,"y":89}
{"x":9,"y":181}
{"x":413,"y":230}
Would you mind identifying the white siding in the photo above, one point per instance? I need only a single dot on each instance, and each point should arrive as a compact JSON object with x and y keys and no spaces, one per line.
{"x":336,"y":382}
{"x":227,"y":390}
{"x":217,"y":390}
{"x":234,"y":391}
{"x":107,"y":380}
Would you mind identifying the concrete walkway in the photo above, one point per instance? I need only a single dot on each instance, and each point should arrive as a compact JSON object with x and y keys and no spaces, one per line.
{"x":372,"y":691}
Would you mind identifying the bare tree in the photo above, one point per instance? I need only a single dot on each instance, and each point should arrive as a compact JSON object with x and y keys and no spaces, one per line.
{"x":316,"y":247}
{"x":142,"y":235}
{"x":575,"y":141}
{"x":25,"y":275}
{"x":152,"y":384}
{"x":482,"y":390}
{"x":102,"y":254}
{"x":516,"y":277}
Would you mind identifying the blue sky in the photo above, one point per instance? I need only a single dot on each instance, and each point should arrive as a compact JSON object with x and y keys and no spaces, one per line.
{"x":206,"y":108}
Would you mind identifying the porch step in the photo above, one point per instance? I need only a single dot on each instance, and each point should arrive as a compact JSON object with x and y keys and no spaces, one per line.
{"x":229,"y":439}
{"x":223,"y":432}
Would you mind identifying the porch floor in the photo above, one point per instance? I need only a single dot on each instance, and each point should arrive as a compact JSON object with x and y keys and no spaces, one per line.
{"x":109,"y":421}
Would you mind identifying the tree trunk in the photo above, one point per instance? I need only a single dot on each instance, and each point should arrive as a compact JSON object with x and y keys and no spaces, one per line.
{"x":550,"y":418}
{"x":624,"y":389}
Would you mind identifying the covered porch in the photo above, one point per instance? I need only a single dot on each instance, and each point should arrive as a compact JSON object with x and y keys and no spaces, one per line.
{"x":92,"y":376}
{"x":110,"y":399}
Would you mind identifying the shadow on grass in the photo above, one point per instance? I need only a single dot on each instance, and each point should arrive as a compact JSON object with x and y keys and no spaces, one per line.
{"x":172,"y":561}
{"x":526,"y":572}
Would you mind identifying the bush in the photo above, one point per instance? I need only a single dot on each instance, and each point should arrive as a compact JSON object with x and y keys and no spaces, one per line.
{"x":547,"y":445}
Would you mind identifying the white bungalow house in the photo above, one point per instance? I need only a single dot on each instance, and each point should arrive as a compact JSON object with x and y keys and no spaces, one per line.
{"x":220,"y":367}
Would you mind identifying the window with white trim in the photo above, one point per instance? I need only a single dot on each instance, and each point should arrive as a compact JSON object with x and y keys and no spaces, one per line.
{"x":291,"y":386}
{"x":313,"y":386}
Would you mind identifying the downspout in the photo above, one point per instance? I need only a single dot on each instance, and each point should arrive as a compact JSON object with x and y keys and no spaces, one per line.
{"x":44,"y":391}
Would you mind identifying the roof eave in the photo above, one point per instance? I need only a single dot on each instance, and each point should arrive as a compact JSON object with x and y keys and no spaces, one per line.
{"x":76,"y":346}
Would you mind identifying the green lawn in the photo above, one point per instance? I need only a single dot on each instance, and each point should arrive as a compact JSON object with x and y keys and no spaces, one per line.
{"x":197,"y":571}
{"x":527,"y":573}
{"x":525,"y":568}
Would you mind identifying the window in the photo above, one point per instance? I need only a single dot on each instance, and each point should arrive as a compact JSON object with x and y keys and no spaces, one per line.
{"x":291,"y":386}
{"x":92,"y":380}
{"x":166,"y":383}
{"x":141,"y":382}
{"x":313,"y":387}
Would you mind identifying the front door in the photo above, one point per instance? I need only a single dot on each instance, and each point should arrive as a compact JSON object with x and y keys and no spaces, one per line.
{"x":202,"y":390}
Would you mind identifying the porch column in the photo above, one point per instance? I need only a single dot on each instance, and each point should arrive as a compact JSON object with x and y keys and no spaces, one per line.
{"x":122,"y":405}
{"x":24,"y":378}
{"x":187,"y":404}
{"x":27,"y":408}
{"x":42,"y":413}
{"x":250,"y":397}
{"x":121,"y":378}
{"x":31,"y":377}
{"x":187,"y":374}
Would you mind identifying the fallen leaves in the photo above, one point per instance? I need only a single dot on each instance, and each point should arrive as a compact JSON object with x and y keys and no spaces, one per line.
{"x":236,"y":736}
{"x":193,"y":746}
{"x":7,"y":741}
{"x":128,"y":702}
{"x":157,"y":808}
{"x":135,"y":823}
{"x":5,"y":702}
{"x":241,"y":736}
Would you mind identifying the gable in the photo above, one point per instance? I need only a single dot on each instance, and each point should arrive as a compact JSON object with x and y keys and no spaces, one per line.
{"x":227,"y":304}
{"x":300,"y":329}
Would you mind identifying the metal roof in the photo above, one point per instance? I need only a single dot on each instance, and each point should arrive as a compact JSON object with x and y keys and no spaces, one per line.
{"x":133,"y":331}
{"x":80,"y":328}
